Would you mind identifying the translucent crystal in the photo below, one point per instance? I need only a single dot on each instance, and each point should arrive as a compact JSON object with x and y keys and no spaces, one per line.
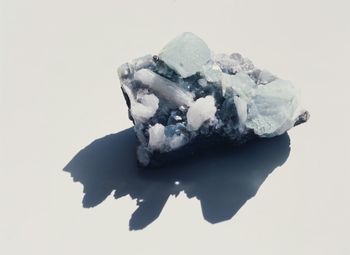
{"x":272,"y":108}
{"x":164,"y":88}
{"x":240,"y":84}
{"x":186,"y":54}
{"x":188,"y":96}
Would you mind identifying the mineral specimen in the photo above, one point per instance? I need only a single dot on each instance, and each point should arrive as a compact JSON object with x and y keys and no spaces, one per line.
{"x":187,"y":97}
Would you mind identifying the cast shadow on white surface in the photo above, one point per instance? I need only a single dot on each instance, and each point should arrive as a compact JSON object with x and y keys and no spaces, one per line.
{"x":221,"y":179}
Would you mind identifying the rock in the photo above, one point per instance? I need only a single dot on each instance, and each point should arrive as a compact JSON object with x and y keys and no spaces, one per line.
{"x":188,"y":96}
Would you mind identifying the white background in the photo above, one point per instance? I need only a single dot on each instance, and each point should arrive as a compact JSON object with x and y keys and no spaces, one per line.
{"x":60,"y":91}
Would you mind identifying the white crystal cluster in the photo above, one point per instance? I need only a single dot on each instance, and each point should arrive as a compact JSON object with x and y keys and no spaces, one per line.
{"x":187,"y":92}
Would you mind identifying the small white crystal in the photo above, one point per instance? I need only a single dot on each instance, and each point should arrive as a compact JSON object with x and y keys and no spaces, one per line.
{"x":177,"y":118}
{"x":158,"y":141}
{"x":144,"y":106}
{"x":201,"y":110}
{"x":156,"y":137}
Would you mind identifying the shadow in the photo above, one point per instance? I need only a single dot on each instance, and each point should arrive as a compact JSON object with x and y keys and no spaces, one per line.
{"x":222,"y":179}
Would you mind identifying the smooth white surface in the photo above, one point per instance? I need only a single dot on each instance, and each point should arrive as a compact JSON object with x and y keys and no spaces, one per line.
{"x":59,"y":92}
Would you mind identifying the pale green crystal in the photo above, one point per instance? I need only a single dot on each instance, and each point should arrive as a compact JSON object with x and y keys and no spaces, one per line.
{"x":273,"y":108}
{"x":186,"y":54}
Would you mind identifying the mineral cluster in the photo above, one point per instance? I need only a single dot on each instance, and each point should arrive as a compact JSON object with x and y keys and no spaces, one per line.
{"x":188,"y":96}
